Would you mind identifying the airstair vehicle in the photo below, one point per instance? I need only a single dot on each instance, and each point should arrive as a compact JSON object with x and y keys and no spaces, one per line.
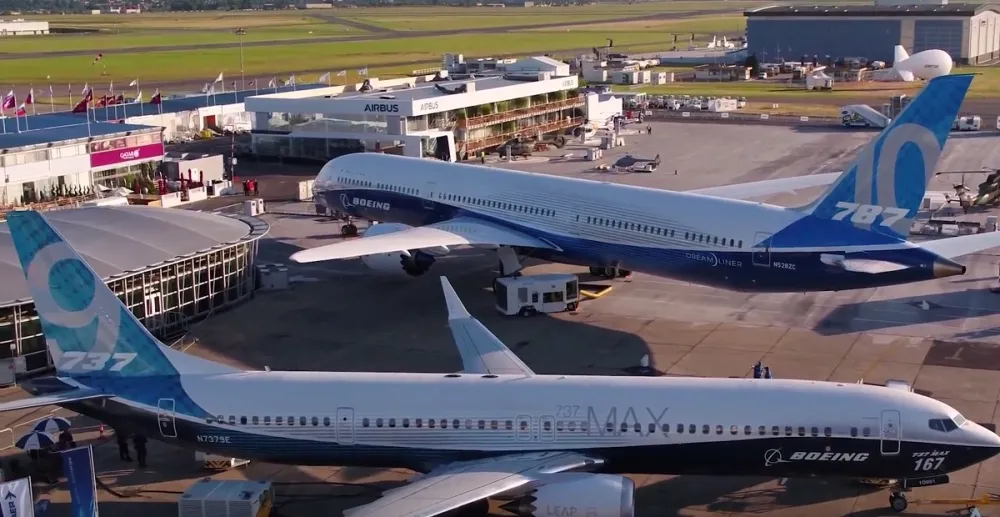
{"x":863,"y":115}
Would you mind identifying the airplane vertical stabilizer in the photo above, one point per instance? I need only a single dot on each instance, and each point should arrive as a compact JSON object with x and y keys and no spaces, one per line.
{"x":882,"y":190}
{"x":88,"y":331}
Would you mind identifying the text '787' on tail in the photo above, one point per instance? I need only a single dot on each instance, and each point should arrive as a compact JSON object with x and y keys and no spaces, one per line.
{"x":883,"y":188}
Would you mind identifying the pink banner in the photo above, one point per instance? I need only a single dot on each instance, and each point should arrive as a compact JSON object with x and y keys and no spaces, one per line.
{"x":126,"y":154}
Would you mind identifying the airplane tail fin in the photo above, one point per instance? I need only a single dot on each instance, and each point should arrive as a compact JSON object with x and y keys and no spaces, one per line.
{"x":899,"y":54}
{"x":882,"y":190}
{"x":88,"y":331}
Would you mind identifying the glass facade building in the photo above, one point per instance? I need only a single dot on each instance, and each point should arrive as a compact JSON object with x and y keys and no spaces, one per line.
{"x":166,"y":297}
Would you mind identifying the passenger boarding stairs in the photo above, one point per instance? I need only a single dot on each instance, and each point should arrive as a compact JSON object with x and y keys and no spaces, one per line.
{"x":864,"y":115}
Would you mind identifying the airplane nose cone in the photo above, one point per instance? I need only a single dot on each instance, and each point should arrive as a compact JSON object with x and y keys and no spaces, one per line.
{"x":945,"y":268}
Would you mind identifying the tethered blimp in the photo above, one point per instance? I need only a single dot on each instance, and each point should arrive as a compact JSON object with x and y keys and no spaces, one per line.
{"x":922,"y":65}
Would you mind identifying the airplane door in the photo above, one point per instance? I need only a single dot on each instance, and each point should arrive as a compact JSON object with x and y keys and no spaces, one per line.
{"x":547,"y":428}
{"x":345,"y":425}
{"x":761,"y":249}
{"x":431,"y":191}
{"x":165,"y":418}
{"x":890,"y":432}
{"x":523,"y":423}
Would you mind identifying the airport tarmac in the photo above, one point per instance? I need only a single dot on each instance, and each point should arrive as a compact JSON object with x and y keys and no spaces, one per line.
{"x":941,"y":336}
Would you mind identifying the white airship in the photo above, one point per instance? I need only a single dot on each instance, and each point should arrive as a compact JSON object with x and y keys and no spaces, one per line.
{"x":922,"y":65}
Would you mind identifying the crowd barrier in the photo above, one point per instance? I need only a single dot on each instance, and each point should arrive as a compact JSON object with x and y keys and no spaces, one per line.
{"x":741,"y":118}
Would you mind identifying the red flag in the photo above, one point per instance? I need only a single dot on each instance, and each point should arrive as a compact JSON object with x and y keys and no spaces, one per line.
{"x":89,"y":95}
{"x":21,"y":112}
{"x":157,"y":97}
{"x":253,"y":82}
{"x":120,"y":99}
{"x":99,"y":57}
{"x":9,"y":101}
{"x":31,"y":97}
{"x":103,"y":101}
{"x":81,"y":107}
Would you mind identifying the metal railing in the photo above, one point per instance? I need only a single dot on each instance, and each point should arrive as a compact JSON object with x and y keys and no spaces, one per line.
{"x":500,"y":139}
{"x":518,"y":113}
{"x":742,"y":118}
{"x":9,"y":435}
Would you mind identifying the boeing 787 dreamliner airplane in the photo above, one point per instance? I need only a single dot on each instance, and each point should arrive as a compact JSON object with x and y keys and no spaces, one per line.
{"x":548,"y":444}
{"x":853,"y":236}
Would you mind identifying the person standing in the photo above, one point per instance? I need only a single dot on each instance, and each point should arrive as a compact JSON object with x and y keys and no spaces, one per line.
{"x":123,"y":453}
{"x":758,"y":370}
{"x":140,"y":449}
{"x":767,"y":372}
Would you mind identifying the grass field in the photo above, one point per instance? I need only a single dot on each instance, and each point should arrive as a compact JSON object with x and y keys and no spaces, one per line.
{"x":206,"y":63}
{"x":704,"y":25}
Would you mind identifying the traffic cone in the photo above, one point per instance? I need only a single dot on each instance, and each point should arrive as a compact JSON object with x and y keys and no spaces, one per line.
{"x":100,"y":431}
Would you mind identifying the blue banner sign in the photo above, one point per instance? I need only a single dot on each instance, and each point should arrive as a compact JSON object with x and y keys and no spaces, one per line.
{"x":78,"y":465}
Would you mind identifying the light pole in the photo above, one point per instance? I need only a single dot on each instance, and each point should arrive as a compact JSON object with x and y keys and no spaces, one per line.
{"x":243,"y":80}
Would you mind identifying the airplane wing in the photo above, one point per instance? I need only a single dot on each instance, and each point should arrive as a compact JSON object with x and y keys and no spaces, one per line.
{"x":454,"y":232}
{"x":481,"y":351}
{"x":458,"y":484}
{"x":53,"y":400}
{"x":767,"y":187}
{"x":952,"y":247}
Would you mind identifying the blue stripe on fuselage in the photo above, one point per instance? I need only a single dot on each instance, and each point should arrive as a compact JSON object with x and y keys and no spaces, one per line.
{"x":783,"y":268}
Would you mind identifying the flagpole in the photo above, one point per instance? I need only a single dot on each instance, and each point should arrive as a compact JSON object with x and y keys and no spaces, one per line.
{"x":34,"y":111}
{"x":52,"y":102}
{"x":70,"y":89}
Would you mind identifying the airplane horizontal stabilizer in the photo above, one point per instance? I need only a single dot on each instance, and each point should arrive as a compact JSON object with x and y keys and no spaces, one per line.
{"x":454,"y":232}
{"x":768,"y":187}
{"x":53,"y":400}
{"x":481,"y":351}
{"x":958,"y":246}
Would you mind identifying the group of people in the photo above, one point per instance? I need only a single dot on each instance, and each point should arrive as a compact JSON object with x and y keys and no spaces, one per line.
{"x":138,"y":441}
{"x":250,"y":188}
{"x":761,"y":372}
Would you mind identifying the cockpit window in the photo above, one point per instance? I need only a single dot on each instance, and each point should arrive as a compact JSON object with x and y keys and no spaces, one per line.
{"x":959,"y":420}
{"x":944,"y":424}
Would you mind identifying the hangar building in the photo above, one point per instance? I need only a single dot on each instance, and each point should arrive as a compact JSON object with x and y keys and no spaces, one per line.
{"x":170,"y":267}
{"x":970,"y":33}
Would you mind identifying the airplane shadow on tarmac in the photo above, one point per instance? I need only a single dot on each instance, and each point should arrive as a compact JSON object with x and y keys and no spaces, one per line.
{"x":914,"y":310}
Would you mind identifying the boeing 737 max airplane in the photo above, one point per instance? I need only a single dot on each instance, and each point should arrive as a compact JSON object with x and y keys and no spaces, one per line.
{"x":853,"y":236}
{"x":551,"y":444}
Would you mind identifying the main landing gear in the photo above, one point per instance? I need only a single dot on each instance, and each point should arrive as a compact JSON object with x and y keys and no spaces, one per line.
{"x":609,"y":272}
{"x":897,"y":500}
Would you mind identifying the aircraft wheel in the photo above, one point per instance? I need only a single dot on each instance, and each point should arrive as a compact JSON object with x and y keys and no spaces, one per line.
{"x":571,"y":306}
{"x":596,"y":271}
{"x":526,"y":312}
{"x":609,"y":272}
{"x":624,"y":273}
{"x":898,"y":502}
{"x":349,"y":230}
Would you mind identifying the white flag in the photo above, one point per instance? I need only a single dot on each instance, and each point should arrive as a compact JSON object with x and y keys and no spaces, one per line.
{"x":17,"y":498}
{"x":363,"y":71}
{"x":323,"y":78}
{"x":342,"y":73}
{"x":219,"y":79}
{"x":138,"y":96}
{"x":86,"y":88}
{"x":291,"y":80}
{"x":272,"y":84}
{"x":135,"y":82}
{"x":204,"y":89}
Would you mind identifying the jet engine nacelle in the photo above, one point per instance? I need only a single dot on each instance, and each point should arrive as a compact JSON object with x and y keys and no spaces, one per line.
{"x":400,"y":263}
{"x":578,"y":494}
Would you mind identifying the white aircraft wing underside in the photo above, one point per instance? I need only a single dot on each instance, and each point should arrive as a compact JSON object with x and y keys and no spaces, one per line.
{"x":457,"y":484}
{"x":52,"y":400}
{"x":481,"y":351}
{"x":454,"y":232}
{"x":952,"y":247}
{"x":767,"y":187}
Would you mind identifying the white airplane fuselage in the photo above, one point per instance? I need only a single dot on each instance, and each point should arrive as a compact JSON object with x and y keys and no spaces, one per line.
{"x":734,"y":244}
{"x":660,"y":425}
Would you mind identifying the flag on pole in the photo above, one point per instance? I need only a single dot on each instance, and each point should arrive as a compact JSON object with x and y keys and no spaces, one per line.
{"x":363,"y":72}
{"x":204,"y":89}
{"x":30,"y":99}
{"x":86,"y":88}
{"x":272,"y":84}
{"x":82,"y":106}
{"x":218,"y":79}
{"x":21,"y":111}
{"x":99,"y":57}
{"x":51,"y":93}
{"x":253,"y":82}
{"x":9,"y":101}
{"x":291,"y":80}
{"x":135,"y":82}
{"x":342,"y":73}
{"x":325,"y":78}
{"x":232,"y":86}
{"x":111,"y":87}
{"x":156,"y":98}
{"x":138,"y":97}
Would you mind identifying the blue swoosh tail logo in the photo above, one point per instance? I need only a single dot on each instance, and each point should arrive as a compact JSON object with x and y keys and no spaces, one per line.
{"x":883,"y":188}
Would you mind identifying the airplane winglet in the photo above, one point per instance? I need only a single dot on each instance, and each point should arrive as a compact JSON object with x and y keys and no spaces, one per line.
{"x":456,"y":309}
{"x":481,"y":351}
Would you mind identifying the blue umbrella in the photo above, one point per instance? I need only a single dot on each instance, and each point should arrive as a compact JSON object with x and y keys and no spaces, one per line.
{"x":52,"y":425}
{"x":34,"y":441}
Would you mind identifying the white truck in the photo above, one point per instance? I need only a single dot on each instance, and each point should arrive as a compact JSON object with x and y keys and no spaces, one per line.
{"x":863,"y":115}
{"x":973,"y":123}
{"x":533,"y":294}
{"x":722,"y":105}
